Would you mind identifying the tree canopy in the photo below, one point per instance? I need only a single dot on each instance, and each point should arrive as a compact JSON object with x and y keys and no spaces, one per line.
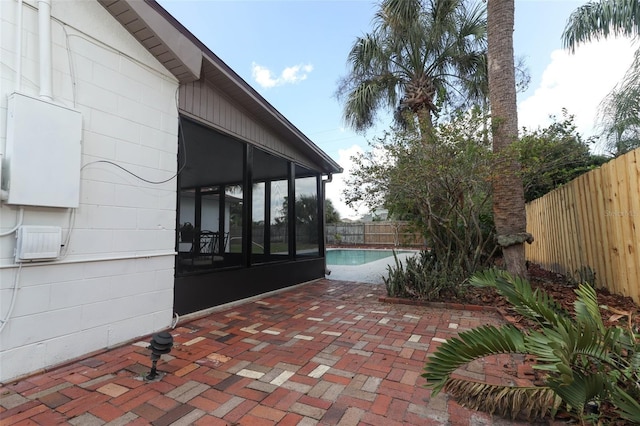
{"x":441,"y":188}
{"x":330,"y":213}
{"x":553,"y":156}
{"x":419,"y":57}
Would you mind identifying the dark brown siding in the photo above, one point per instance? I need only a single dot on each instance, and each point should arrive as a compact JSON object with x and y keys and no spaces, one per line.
{"x":205,"y":102}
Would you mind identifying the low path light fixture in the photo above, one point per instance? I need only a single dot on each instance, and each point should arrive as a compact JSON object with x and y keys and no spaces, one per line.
{"x":161,"y":343}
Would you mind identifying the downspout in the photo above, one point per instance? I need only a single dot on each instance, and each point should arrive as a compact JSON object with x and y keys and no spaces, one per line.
{"x":329,"y":179}
{"x":44,"y":43}
{"x":19,"y":47}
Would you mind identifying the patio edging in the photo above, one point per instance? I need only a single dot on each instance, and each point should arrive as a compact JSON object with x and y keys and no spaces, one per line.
{"x":448,"y":305}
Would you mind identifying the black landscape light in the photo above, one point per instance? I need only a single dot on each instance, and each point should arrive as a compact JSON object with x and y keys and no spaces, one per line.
{"x":161,"y":343}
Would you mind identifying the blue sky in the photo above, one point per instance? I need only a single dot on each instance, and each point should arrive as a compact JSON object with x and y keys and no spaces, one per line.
{"x":293,"y":52}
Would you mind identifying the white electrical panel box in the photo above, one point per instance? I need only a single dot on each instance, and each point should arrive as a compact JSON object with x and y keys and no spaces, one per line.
{"x":38,"y":243}
{"x":43,"y":153}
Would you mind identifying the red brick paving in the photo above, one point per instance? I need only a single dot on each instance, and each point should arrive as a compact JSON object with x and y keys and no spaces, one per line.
{"x":328,"y":352}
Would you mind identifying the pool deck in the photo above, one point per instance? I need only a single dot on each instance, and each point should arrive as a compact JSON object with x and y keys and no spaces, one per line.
{"x":324,"y":353}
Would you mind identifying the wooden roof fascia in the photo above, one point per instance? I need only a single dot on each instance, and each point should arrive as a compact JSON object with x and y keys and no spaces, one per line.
{"x":151,"y":28}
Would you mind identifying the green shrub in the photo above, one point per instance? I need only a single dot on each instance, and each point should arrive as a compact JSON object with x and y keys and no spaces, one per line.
{"x":424,"y":277}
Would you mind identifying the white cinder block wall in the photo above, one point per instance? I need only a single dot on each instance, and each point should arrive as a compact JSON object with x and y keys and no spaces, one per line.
{"x":115,"y":280}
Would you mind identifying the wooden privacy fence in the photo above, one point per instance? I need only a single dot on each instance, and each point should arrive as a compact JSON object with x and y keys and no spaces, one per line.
{"x":372,"y":233}
{"x":592,"y":225}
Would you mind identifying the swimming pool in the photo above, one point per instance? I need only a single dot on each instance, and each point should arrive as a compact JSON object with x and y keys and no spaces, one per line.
{"x":358,"y":256}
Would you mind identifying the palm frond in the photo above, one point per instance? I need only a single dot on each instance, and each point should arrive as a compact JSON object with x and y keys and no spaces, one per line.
{"x":549,"y":348}
{"x":634,"y":364}
{"x":586,"y":307}
{"x":507,"y":401}
{"x":398,"y":14}
{"x":535,"y":305}
{"x":362,"y":104}
{"x":596,"y":20}
{"x":619,"y":112}
{"x":582,"y":389}
{"x":560,"y":349}
{"x":627,"y":406}
{"x":366,"y":57}
{"x":469,"y":345}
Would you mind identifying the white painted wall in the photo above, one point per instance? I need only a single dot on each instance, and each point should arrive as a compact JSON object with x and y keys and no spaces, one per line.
{"x":114,"y":281}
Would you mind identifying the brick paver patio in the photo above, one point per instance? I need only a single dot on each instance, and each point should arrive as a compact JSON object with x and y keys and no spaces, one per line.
{"x":328,"y":352}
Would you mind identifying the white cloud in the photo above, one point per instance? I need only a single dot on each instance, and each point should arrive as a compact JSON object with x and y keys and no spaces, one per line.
{"x":577,"y":82}
{"x":262,"y":76}
{"x":336,"y":187}
{"x":290,"y":75}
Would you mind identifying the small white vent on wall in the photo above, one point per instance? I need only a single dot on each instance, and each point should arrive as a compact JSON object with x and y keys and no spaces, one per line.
{"x":38,"y":243}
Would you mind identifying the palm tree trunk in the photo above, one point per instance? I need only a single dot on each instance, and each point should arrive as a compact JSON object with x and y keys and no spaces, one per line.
{"x":508,"y":194}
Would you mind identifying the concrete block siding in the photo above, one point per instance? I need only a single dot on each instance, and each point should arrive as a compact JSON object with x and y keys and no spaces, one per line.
{"x":56,"y":319}
{"x":115,"y":281}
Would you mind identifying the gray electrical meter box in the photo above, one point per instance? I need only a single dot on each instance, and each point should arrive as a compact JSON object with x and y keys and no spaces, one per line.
{"x":41,"y":166}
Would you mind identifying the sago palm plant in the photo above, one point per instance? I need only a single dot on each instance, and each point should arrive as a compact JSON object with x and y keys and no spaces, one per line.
{"x":582,"y":360}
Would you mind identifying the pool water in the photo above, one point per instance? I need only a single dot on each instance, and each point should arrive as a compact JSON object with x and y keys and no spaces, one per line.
{"x":357,"y":256}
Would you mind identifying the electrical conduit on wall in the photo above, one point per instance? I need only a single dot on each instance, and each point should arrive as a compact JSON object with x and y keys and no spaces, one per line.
{"x":44,"y":43}
{"x":19,"y":46}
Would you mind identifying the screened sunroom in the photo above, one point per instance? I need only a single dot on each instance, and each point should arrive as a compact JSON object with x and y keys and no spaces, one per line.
{"x":238,"y":234}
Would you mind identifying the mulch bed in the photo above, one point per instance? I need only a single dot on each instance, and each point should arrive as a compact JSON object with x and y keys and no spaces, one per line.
{"x":561,"y":289}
